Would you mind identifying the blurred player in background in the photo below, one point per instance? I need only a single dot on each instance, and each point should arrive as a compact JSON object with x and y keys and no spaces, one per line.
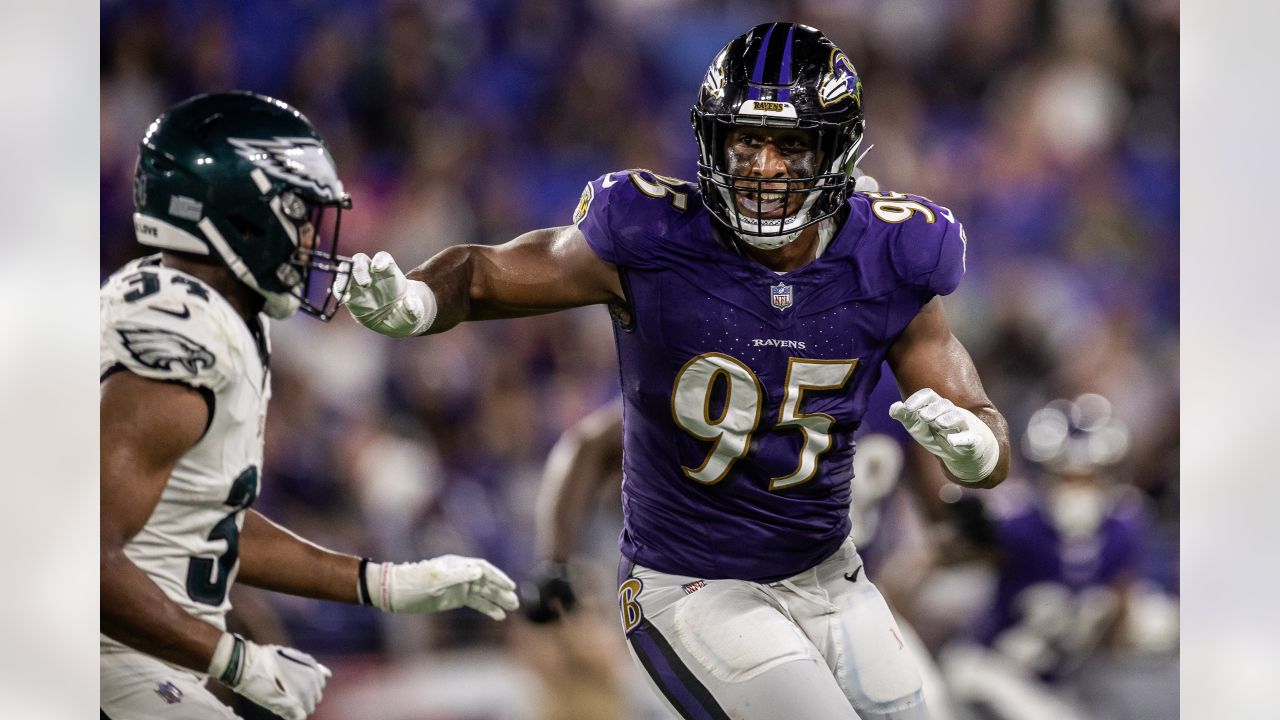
{"x":752,"y":313}
{"x":233,"y":189}
{"x":1068,"y":583}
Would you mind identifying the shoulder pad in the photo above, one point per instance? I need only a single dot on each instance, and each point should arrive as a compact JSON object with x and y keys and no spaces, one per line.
{"x":927,"y":245}
{"x":166,"y":325}
{"x":623,"y":214}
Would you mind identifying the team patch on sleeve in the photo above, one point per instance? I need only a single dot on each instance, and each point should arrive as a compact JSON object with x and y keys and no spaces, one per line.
{"x":166,"y":351}
{"x":584,"y":202}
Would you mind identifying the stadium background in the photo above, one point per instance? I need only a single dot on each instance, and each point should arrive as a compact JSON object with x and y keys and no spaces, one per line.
{"x":1049,"y":128}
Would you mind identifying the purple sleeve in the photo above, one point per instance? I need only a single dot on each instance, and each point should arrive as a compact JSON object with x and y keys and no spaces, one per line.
{"x":592,"y":218}
{"x":627,"y":224}
{"x":930,"y":250}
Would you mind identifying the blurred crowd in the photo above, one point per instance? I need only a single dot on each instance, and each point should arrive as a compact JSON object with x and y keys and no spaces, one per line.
{"x":1049,"y":127}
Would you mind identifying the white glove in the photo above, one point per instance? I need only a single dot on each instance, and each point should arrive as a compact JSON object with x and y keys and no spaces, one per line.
{"x":382,"y":299}
{"x":442,"y":583}
{"x":865,"y":183}
{"x":288,"y":682}
{"x":966,"y":445}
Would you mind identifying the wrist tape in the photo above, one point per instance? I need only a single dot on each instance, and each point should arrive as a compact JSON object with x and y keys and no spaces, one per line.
{"x":362,"y":583}
{"x":227,"y":663}
{"x":373,"y":584}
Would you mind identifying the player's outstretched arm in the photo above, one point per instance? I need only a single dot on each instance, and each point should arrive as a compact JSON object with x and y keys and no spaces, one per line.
{"x":586,"y":458}
{"x":946,"y":408}
{"x":274,"y":558}
{"x":538,"y":272}
{"x":146,"y":428}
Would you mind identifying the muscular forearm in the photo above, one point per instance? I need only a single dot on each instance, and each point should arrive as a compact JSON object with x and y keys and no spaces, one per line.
{"x":136,"y":612}
{"x":275,"y":559}
{"x":448,"y":274}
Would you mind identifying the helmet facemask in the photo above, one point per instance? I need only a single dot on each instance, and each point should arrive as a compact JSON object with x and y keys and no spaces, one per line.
{"x":321,"y":265}
{"x":805,"y":200}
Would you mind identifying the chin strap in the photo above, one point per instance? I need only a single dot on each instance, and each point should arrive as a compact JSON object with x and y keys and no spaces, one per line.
{"x":826,"y":233}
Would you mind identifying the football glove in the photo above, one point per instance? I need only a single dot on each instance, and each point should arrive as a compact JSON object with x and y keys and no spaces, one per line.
{"x":288,"y":682}
{"x":965,"y":444}
{"x":381,"y":298}
{"x":548,"y":594}
{"x":442,"y":583}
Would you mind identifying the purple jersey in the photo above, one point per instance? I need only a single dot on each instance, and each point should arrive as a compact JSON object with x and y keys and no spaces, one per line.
{"x":743,"y":387}
{"x":1035,"y":556}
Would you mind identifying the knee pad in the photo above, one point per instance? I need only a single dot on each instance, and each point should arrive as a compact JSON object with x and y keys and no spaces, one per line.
{"x":876,"y":667}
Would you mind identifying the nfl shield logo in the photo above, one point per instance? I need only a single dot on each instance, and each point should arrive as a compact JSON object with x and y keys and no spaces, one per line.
{"x":780,"y":296}
{"x":169,"y":692}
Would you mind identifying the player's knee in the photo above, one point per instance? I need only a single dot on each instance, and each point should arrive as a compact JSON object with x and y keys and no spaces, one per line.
{"x":877,"y":668}
{"x":735,"y":636}
{"x":892,"y":685}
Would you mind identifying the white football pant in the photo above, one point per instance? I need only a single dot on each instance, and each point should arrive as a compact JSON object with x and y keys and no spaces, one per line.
{"x":135,"y":686}
{"x":821,"y":644}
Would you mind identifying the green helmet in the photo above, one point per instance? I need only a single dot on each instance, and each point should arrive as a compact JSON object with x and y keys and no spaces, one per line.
{"x":238,"y":176}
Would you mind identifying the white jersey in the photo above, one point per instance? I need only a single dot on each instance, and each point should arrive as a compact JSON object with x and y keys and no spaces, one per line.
{"x":163,"y":324}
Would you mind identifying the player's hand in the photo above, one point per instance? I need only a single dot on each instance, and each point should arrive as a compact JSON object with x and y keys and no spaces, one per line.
{"x":442,"y":583}
{"x":288,"y":682}
{"x":965,"y":444}
{"x":381,"y":298}
{"x":548,"y":594}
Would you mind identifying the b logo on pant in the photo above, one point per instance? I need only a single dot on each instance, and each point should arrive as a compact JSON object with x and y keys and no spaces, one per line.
{"x":629,"y":604}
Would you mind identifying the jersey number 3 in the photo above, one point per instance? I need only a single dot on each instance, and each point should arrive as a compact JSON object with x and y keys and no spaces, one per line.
{"x":207,"y":577}
{"x":730,"y":432}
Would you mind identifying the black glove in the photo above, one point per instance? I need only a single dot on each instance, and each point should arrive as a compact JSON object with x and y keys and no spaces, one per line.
{"x":972,"y":522}
{"x":547,"y":593}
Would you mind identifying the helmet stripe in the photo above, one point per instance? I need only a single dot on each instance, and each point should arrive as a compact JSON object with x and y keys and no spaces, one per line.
{"x":757,"y":73}
{"x":784,"y":75}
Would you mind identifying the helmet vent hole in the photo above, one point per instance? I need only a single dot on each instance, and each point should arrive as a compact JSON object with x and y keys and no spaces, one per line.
{"x":161,"y":164}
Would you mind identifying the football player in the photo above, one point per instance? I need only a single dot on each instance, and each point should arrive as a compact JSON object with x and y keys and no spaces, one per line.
{"x":752,"y":311}
{"x":233,"y":189}
{"x":1068,"y":586}
{"x":587,"y":460}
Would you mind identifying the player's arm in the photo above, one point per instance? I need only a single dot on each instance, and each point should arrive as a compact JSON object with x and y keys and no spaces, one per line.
{"x":273,"y":558}
{"x":946,"y":408}
{"x":586,"y":458}
{"x":146,"y":427}
{"x":538,"y":272}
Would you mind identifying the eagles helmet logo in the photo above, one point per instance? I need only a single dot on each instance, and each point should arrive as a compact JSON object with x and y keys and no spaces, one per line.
{"x":301,"y":161}
{"x":164,"y":349}
{"x":841,"y":81}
